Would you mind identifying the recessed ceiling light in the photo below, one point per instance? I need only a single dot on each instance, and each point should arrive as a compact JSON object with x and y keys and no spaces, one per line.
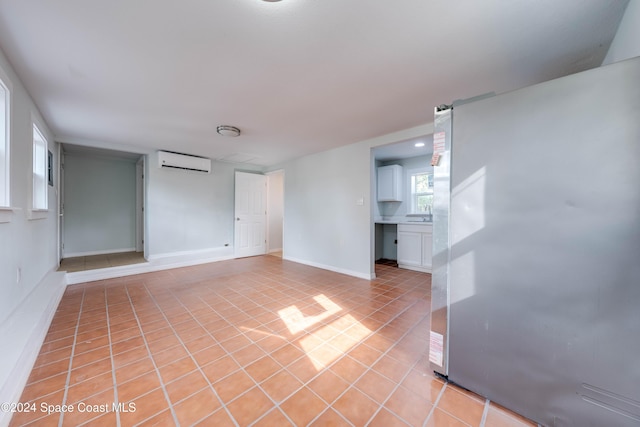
{"x":225,"y":130}
{"x":419,"y":144}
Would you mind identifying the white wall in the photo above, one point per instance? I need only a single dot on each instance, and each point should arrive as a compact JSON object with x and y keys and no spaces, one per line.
{"x":626,"y":43}
{"x":189,"y":212}
{"x":100,"y":204}
{"x":275,"y":209}
{"x":324,"y":224}
{"x":29,"y":288}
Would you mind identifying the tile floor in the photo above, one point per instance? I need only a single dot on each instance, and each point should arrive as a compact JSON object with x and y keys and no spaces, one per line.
{"x":83,"y":263}
{"x":388,"y":262}
{"x":255,"y":341}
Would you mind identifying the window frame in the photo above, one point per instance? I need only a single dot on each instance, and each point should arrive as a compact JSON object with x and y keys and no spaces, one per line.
{"x":39,"y":183}
{"x":5,"y":144}
{"x":413,"y":196}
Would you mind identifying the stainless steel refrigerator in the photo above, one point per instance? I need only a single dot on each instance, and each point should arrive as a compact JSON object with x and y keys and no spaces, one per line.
{"x":536,"y":268}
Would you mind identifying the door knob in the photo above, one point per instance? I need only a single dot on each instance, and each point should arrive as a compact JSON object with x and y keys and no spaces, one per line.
{"x":237,"y":219}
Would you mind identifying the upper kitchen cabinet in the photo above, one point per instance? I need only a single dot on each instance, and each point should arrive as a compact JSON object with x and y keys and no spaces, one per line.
{"x":390,"y":183}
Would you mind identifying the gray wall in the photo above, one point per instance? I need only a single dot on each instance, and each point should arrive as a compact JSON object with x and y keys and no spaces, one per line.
{"x":389,"y":238}
{"x":189,"y":211}
{"x":28,"y":251}
{"x":25,"y":244}
{"x":100,"y":204}
{"x":626,"y":43}
{"x":324,"y":224}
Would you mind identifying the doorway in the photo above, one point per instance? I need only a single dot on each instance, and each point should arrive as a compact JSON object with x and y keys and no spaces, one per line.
{"x":409,"y":157}
{"x":275,"y":212}
{"x":250,"y":214}
{"x":140,"y":205}
{"x":101,"y":208}
{"x":60,"y":203}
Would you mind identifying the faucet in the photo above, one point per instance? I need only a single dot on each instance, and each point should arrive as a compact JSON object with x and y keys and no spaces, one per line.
{"x":429,"y":214}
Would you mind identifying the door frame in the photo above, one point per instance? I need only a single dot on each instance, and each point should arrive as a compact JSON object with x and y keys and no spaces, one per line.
{"x":237,"y":222}
{"x":140,"y":203}
{"x":269,"y":213}
{"x":60,"y":202}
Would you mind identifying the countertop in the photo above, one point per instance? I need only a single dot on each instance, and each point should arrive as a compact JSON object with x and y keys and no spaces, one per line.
{"x":380,"y":221}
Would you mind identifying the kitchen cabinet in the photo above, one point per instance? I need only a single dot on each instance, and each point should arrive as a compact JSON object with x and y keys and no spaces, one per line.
{"x":390,"y":183}
{"x":415,"y":246}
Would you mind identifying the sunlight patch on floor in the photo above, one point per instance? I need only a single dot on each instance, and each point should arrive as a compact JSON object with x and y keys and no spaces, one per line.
{"x":324,"y":355}
{"x":296,"y":321}
{"x":353,"y":332}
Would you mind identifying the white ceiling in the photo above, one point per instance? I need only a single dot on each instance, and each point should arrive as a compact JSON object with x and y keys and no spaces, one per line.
{"x":296,"y":76}
{"x":404,"y":149}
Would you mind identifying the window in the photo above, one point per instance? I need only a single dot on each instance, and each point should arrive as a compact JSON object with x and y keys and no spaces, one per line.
{"x":421,"y":188}
{"x":5,"y":187}
{"x":40,"y":169}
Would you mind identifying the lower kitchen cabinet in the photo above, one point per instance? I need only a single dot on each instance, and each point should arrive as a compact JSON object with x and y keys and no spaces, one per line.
{"x":414,"y":246}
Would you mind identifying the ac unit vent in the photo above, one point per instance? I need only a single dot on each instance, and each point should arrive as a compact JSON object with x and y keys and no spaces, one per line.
{"x":170,"y":159}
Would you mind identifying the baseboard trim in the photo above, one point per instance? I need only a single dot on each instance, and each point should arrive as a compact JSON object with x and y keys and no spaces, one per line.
{"x":185,"y":259}
{"x":352,"y":273}
{"x":24,"y":332}
{"x":218,"y":253}
{"x":413,"y":268}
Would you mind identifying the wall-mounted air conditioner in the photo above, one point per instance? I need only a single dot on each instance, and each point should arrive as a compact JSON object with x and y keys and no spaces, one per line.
{"x":168,"y":159}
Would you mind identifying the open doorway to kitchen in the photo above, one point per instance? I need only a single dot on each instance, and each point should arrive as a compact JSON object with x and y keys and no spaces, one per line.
{"x":275,"y":212}
{"x":402,"y":181}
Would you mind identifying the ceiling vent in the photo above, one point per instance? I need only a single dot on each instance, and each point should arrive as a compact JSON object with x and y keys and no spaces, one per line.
{"x":169,"y":159}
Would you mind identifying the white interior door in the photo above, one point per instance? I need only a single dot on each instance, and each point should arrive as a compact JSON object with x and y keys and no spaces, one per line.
{"x":250,"y":214}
